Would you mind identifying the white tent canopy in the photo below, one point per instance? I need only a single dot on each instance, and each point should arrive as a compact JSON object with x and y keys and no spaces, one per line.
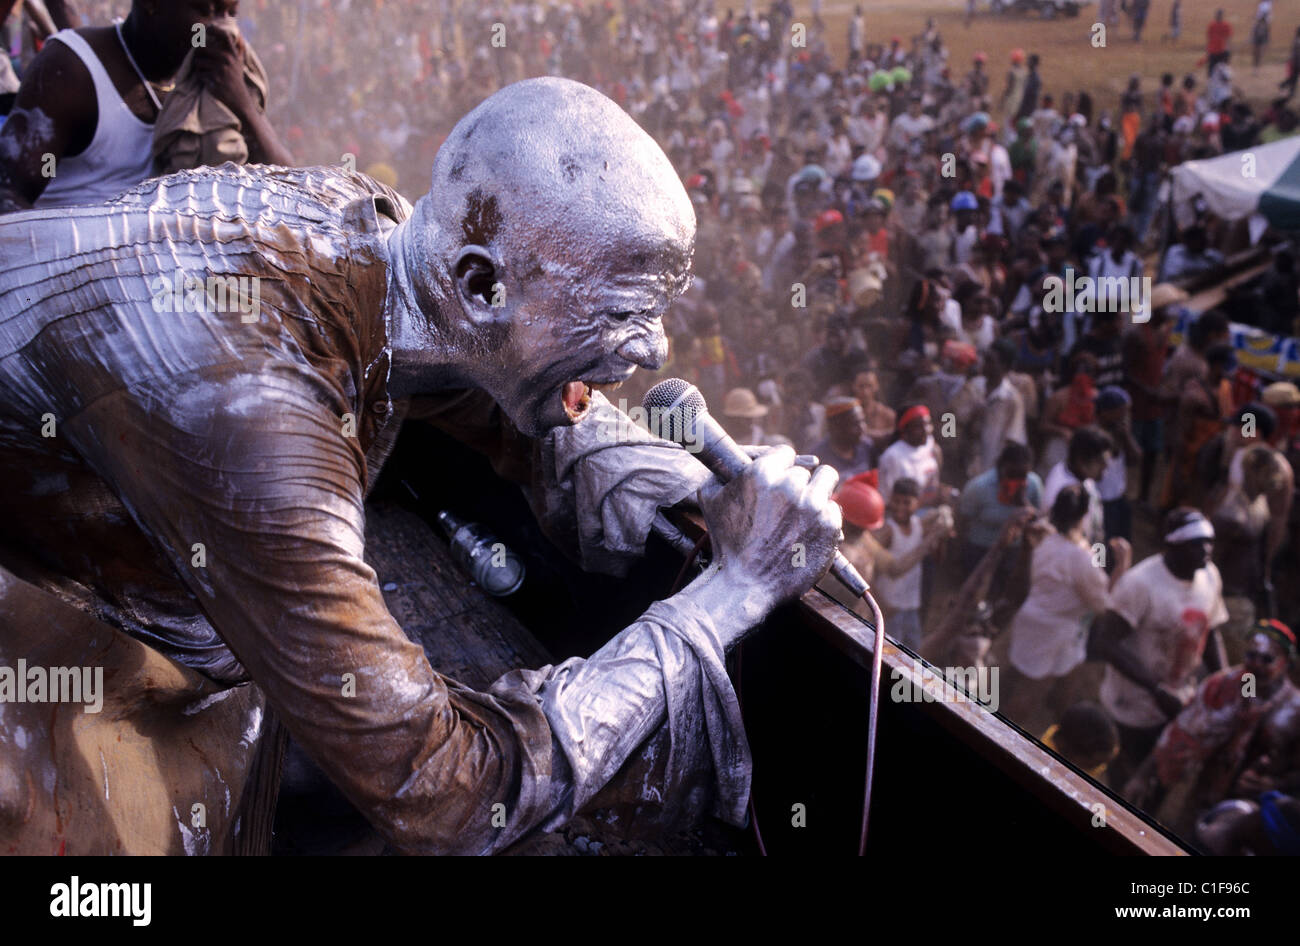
{"x":1263,"y":181}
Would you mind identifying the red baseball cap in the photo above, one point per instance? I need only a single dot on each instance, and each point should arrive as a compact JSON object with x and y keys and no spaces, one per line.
{"x":827,"y":218}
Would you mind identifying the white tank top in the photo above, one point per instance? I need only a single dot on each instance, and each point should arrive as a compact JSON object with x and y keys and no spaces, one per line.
{"x":904,"y":592}
{"x":120,"y":154}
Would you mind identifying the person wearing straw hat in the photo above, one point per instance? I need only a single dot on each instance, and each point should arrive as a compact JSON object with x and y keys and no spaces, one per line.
{"x":741,"y":414}
{"x":1284,"y":399}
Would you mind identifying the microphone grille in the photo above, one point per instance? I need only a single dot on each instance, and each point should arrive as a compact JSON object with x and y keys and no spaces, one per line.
{"x":672,"y":405}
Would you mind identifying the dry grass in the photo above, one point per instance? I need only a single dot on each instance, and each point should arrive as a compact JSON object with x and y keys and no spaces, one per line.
{"x":1069,"y":61}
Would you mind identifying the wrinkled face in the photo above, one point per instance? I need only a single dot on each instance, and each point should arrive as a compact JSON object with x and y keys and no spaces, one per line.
{"x":566,"y":234}
{"x":584,"y":328}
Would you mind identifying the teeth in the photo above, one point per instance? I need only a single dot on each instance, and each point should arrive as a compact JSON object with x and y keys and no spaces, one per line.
{"x":581,"y":404}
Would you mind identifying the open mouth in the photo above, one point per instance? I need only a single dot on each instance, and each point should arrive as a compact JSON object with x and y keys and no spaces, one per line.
{"x":576,"y":396}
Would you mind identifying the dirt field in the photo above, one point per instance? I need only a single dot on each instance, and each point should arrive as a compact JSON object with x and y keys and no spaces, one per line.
{"x":1069,"y":60}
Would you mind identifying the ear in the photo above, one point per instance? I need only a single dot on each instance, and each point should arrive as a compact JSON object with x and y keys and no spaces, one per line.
{"x":476,"y":277}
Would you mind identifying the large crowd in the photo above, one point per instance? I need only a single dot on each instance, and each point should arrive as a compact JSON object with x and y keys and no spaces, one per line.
{"x":1098,"y":508}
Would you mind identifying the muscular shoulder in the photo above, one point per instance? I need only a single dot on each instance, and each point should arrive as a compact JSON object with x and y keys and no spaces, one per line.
{"x":58,"y":82}
{"x":55,"y":113}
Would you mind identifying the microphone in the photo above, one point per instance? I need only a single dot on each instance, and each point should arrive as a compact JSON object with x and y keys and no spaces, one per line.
{"x":678,"y":408}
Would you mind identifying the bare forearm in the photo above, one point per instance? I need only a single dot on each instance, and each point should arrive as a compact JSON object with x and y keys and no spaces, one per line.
{"x":1105,"y":645}
{"x":976,"y":587}
{"x":64,"y":13}
{"x":892,"y":566}
{"x":1120,"y":568}
{"x":264,"y":145}
{"x":40,"y":16}
{"x":1216,"y":652}
{"x":1130,"y":667}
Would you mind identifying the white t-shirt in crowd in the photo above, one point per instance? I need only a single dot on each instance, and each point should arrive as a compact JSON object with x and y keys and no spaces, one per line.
{"x":950,"y":315}
{"x":1130,"y":266}
{"x":1114,"y":479}
{"x":1059,"y":477}
{"x":982,"y":336}
{"x":901,"y":459}
{"x":964,"y":244}
{"x":901,"y":593}
{"x":1049,"y":634}
{"x":999,"y":168}
{"x":1171,"y":620}
{"x":905,"y":127}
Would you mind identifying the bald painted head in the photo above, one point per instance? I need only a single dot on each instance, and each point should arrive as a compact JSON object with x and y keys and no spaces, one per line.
{"x":555,"y":236}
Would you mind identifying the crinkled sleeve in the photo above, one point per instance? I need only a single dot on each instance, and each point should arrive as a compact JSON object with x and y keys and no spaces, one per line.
{"x":250,"y":488}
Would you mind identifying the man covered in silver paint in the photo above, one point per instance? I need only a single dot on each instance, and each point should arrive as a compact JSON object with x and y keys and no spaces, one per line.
{"x":555,"y":236}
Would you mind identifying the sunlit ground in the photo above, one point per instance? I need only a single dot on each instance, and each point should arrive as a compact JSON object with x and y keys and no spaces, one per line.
{"x":1069,"y":60}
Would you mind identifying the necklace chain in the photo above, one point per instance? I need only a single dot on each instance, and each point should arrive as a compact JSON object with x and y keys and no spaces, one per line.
{"x":117,"y":25}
